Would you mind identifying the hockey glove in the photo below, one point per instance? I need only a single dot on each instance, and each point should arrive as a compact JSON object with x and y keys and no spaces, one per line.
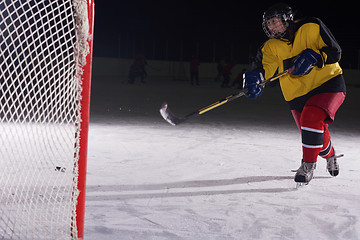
{"x":304,"y":62}
{"x":251,"y":82}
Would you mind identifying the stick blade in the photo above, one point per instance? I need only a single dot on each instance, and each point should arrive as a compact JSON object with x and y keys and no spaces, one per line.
{"x":168,"y":115}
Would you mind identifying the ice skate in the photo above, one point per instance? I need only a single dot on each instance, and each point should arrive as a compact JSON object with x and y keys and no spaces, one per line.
{"x":305,"y":173}
{"x":333,"y":165}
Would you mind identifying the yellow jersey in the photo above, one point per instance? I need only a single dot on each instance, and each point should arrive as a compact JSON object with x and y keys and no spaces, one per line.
{"x":276,"y":55}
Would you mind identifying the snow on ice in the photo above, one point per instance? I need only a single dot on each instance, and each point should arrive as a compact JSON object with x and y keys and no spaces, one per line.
{"x":224,"y":175}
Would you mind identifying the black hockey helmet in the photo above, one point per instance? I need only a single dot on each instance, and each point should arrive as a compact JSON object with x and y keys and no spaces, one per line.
{"x":279,"y":11}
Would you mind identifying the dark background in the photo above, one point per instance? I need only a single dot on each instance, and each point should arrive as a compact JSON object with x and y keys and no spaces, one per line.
{"x":176,"y":30}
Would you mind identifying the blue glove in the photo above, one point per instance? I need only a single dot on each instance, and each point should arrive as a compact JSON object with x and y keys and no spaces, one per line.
{"x":304,"y":62}
{"x":251,"y":81}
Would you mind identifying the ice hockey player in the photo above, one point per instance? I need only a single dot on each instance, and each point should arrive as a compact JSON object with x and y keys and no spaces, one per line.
{"x":314,"y":87}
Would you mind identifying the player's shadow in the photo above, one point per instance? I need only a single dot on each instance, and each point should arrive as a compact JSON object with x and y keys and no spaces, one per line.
{"x":181,"y":189}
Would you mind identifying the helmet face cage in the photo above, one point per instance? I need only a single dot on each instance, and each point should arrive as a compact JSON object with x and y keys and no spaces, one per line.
{"x":277,"y":18}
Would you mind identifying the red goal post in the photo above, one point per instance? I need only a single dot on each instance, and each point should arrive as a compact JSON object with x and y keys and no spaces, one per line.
{"x":85,"y":115}
{"x":45,"y":80}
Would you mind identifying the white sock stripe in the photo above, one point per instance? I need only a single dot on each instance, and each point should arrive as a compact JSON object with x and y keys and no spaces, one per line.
{"x":312,"y":129}
{"x":312,"y":146}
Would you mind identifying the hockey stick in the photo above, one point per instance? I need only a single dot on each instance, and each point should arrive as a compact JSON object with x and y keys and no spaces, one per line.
{"x":175,"y":120}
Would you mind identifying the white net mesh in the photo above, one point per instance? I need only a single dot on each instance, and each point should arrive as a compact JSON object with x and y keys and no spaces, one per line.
{"x":43,"y":45}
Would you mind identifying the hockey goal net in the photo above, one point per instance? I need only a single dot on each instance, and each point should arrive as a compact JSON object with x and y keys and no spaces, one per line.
{"x":45,"y":69}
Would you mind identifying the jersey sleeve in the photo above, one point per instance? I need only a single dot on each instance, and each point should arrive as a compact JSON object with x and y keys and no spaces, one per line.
{"x":331,"y":52}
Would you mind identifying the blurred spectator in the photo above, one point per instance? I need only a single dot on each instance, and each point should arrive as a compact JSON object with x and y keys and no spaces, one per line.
{"x":194,"y":70}
{"x":226,"y":73}
{"x":137,"y":69}
{"x":220,"y":66}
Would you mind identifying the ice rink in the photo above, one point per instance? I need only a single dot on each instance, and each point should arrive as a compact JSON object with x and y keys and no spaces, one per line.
{"x":224,"y":175}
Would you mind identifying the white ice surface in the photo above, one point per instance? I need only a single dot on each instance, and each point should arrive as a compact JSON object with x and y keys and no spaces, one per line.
{"x":224,"y":175}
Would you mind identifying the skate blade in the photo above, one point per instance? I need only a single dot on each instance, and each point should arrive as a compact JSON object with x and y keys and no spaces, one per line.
{"x":301,"y":184}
